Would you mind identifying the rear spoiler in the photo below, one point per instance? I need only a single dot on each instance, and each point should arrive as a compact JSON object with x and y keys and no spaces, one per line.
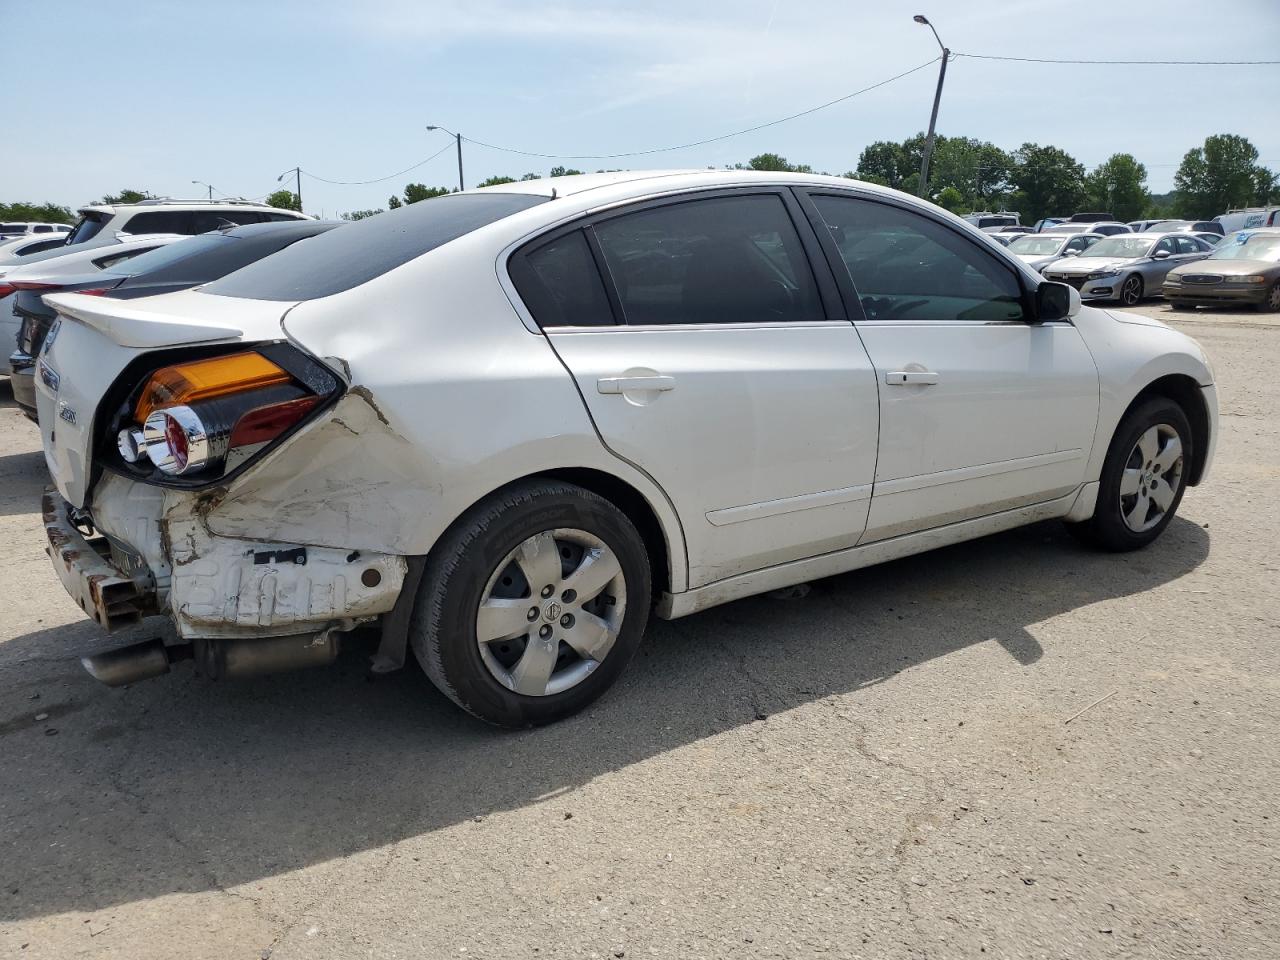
{"x":132,"y":327}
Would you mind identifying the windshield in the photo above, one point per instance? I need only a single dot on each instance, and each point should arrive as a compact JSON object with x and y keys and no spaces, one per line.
{"x":1122,"y":246}
{"x":1039,"y":245}
{"x":1249,"y":246}
{"x":12,"y":229}
{"x":170,"y":254}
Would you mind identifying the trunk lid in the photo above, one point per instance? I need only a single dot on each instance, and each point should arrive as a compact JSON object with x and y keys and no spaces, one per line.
{"x":96,"y":338}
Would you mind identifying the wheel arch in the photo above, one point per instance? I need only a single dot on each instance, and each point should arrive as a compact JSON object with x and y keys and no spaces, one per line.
{"x":1186,"y":393}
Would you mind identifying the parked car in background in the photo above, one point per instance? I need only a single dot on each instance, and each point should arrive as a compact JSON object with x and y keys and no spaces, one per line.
{"x":507,"y":423}
{"x":1048,"y":223}
{"x":1244,"y":269}
{"x":42,"y":271}
{"x":1249,"y":218}
{"x":990,"y":222}
{"x":174,"y":266}
{"x":1107,"y":227}
{"x":1129,"y":266}
{"x":1189,"y":226}
{"x":1092,"y":218}
{"x":188,"y":217}
{"x":1009,"y":234}
{"x":12,"y":229}
{"x":1039,"y":250}
{"x":1212,"y":239}
{"x":24,"y":244}
{"x":1068,"y":227}
{"x":1142,"y":226}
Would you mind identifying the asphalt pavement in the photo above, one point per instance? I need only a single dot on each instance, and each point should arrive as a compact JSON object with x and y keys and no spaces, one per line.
{"x":1012,"y":748}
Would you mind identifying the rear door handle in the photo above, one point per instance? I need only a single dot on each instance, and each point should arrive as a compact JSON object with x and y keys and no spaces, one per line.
{"x":626,"y":384}
{"x":898,"y":377}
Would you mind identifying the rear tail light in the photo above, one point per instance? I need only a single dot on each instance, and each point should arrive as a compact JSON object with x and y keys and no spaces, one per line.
{"x":6,"y":289}
{"x":28,"y":285}
{"x":190,"y":420}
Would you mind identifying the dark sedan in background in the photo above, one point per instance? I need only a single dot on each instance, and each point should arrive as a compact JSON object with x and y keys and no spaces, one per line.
{"x":178,"y":266}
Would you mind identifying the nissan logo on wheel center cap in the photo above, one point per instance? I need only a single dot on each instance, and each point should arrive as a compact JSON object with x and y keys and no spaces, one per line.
{"x":551,"y":611}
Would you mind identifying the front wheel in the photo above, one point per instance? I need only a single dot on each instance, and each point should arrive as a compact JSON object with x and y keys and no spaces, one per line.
{"x":1143,"y":478}
{"x":1131,"y":291}
{"x":1271,"y":302}
{"x":532,"y":604}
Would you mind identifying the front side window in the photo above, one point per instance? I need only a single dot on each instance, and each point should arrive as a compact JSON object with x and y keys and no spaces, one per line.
{"x":906,"y":266}
{"x":715,"y":260}
{"x":1166,"y":246}
{"x":1188,"y":245}
{"x":1081,"y":243}
{"x":560,"y":285}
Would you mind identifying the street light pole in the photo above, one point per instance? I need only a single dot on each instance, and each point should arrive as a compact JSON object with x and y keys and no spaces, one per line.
{"x":937,"y":98}
{"x":297,"y":173}
{"x":457,"y":139}
{"x":209,"y":185}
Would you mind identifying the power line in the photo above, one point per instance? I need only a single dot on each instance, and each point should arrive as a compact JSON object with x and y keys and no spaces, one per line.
{"x":699,"y":143}
{"x":390,"y":176}
{"x":1128,"y":63}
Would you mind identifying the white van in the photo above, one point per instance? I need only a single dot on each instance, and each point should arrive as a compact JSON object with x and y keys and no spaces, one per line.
{"x":1248,"y":218}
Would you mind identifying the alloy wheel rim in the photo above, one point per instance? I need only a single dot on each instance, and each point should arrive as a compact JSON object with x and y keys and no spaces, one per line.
{"x":1151,"y":478}
{"x":1130,"y":291}
{"x":1273,"y":298}
{"x":550,"y":612}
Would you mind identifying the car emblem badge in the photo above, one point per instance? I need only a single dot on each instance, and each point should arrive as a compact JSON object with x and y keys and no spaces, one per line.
{"x":65,"y":412}
{"x":551,"y":611}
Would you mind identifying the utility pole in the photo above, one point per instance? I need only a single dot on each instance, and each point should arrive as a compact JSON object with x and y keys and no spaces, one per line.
{"x":458,"y":140}
{"x":937,"y":98}
{"x":297,"y":173}
{"x":203,"y":184}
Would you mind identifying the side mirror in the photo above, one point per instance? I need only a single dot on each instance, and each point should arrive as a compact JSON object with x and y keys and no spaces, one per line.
{"x":1055,"y":301}
{"x":1161,"y":255}
{"x":1072,"y":253}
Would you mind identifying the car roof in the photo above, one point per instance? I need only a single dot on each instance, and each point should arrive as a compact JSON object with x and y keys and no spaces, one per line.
{"x":183,"y":206}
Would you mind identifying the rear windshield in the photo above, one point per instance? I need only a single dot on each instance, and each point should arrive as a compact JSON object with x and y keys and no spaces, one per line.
{"x":88,"y":227}
{"x":12,"y":229}
{"x":342,"y":259}
{"x":170,"y":254}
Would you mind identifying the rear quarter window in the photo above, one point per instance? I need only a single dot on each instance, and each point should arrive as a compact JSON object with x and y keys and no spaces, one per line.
{"x":345,"y":258}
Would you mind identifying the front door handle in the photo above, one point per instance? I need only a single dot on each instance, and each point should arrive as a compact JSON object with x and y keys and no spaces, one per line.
{"x":898,"y":377}
{"x":627,"y":384}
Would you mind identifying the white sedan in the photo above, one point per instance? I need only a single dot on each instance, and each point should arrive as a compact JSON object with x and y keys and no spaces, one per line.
{"x":507,"y":424}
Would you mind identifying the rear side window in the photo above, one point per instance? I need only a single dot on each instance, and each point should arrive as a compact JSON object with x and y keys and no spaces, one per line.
{"x":358,"y":252}
{"x":717,"y":260}
{"x":158,"y":221}
{"x":560,"y":284}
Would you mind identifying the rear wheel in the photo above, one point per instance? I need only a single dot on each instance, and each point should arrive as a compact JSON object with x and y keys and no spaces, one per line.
{"x":1271,"y":302}
{"x":1143,"y":478}
{"x":1181,"y":305}
{"x":1131,"y":291}
{"x":532,"y":604}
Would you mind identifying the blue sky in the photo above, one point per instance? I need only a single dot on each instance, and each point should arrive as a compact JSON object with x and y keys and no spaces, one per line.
{"x":153,"y":95}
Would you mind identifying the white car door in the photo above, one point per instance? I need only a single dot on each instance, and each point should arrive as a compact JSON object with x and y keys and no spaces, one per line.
{"x":980,"y":411}
{"x":714,"y":359}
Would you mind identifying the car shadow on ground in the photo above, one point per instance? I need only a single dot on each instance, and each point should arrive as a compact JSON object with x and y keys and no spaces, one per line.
{"x":180,"y":784}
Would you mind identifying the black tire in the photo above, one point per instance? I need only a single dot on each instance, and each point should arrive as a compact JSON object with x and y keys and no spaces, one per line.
{"x":443,"y":628}
{"x":1107,"y":529}
{"x":1181,"y":305}
{"x":1131,"y":281}
{"x":1271,"y":302}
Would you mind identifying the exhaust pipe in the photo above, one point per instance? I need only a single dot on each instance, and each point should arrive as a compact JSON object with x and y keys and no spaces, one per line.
{"x":126,"y":665}
{"x":217,"y":657}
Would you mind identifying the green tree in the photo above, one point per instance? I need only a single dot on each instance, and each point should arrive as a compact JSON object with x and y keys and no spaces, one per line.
{"x":883,"y":162}
{"x":37,"y":212}
{"x":495,"y":181}
{"x":952,"y":199}
{"x":563,"y":172}
{"x":1118,"y":186}
{"x":359,"y":214}
{"x":773,"y":161}
{"x":980,"y":171}
{"x":415,"y":192}
{"x":285,"y":200}
{"x":1048,"y":182}
{"x":532,"y":176}
{"x":1266,"y":186}
{"x":127,"y":196}
{"x":1216,"y":177}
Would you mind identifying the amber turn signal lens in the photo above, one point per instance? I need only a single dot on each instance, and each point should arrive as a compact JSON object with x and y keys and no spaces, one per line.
{"x":186,"y":383}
